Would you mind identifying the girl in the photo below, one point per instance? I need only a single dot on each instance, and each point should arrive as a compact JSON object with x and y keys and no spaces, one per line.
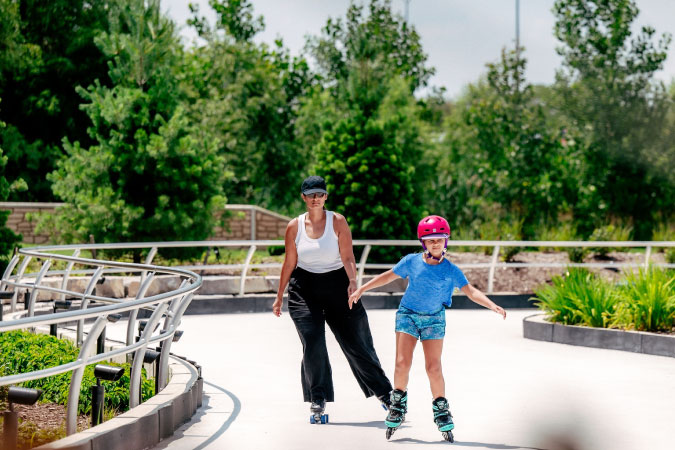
{"x":421,"y":315}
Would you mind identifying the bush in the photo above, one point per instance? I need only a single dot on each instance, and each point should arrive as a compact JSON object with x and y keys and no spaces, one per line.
{"x":579,"y":298}
{"x":648,"y":301}
{"x":609,"y":233}
{"x":22,"y":352}
{"x":644,"y":301}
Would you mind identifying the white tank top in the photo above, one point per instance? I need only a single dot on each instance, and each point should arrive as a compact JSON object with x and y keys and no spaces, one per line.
{"x":318,"y":255}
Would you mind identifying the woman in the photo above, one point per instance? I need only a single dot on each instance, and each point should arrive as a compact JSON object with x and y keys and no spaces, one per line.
{"x":320,"y":271}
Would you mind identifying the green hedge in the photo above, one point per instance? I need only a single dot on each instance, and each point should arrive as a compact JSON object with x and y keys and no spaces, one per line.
{"x":643,"y":301}
{"x":22,"y":352}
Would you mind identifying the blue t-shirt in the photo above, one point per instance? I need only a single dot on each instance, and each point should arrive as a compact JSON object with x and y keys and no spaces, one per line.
{"x":429,"y":287}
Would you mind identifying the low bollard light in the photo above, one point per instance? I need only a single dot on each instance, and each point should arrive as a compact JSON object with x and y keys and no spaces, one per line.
{"x":101,"y":372}
{"x":58,"y":304}
{"x":4,"y":295}
{"x":10,"y":428}
{"x":100,"y":342}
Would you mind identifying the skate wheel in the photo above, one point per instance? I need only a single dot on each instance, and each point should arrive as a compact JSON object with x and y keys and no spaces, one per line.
{"x":312,"y":419}
{"x":324,"y":418}
{"x":447,"y":435}
{"x":390,"y":432}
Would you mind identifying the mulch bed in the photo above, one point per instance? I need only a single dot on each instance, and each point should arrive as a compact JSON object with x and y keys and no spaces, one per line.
{"x":43,"y":423}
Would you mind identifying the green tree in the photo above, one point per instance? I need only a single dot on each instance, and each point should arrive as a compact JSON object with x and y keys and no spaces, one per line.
{"x":55,"y":40}
{"x":151,"y":175}
{"x":247,"y":95}
{"x":505,"y":160}
{"x":368,"y":178}
{"x":607,"y":86}
{"x":8,"y":239}
{"x":366,"y":127}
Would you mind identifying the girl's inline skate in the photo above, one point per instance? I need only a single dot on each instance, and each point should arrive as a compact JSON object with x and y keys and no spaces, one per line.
{"x":397,"y":410}
{"x":443,"y":418}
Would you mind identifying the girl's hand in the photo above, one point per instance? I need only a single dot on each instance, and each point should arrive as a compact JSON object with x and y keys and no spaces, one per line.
{"x":499,"y":310}
{"x":354,"y":298}
{"x":276,"y":306}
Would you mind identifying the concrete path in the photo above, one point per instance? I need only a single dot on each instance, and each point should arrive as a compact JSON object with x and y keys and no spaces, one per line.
{"x":505,"y":392}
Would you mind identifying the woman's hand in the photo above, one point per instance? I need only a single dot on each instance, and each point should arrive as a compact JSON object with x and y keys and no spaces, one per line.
{"x":352,"y":287}
{"x":354,"y":296}
{"x":276,"y":306}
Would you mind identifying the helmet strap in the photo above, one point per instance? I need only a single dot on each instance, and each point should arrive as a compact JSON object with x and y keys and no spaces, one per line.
{"x":428,"y":254}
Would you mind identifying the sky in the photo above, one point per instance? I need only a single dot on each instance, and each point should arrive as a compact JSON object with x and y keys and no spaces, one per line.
{"x":459,"y":36}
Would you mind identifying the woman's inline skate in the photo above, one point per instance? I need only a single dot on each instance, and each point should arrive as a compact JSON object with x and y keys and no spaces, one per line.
{"x":397,"y":410}
{"x":317,"y":408}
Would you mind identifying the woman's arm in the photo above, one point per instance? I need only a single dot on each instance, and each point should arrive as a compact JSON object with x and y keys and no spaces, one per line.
{"x":290,"y":261}
{"x":344,"y":236}
{"x":478,"y":297}
{"x":380,"y":280}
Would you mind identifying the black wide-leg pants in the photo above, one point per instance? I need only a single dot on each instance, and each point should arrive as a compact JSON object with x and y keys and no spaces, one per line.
{"x":315,"y":299}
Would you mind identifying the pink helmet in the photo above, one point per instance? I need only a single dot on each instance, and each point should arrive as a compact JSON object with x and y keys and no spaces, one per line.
{"x":433,"y":227}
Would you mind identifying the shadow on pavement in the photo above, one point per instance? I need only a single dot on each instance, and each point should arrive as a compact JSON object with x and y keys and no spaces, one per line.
{"x":202,"y":412}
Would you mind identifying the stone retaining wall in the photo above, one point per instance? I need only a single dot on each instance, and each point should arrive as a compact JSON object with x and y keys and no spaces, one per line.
{"x":537,"y":328}
{"x":245,"y":222}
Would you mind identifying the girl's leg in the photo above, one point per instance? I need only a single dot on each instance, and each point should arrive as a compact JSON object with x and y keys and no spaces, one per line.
{"x":405,"y":345}
{"x":432,"y":358}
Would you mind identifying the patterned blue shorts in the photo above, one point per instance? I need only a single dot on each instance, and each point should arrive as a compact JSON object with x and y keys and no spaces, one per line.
{"x":421,"y":326}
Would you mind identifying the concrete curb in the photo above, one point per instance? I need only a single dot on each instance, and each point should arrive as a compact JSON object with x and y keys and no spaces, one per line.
{"x":150,"y":422}
{"x":252,"y":303}
{"x":537,"y":328}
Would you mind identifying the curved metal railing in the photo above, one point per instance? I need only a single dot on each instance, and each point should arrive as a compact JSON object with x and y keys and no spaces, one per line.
{"x":166,"y":307}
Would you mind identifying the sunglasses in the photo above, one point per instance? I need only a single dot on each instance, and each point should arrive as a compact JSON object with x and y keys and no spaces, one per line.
{"x":316,"y":195}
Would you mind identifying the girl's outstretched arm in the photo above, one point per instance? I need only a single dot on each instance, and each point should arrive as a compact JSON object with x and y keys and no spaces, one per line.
{"x":478,"y":297}
{"x":380,"y":280}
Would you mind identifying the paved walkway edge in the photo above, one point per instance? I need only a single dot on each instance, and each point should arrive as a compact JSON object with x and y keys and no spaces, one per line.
{"x":148,"y":423}
{"x":536,"y":327}
{"x":262,"y":303}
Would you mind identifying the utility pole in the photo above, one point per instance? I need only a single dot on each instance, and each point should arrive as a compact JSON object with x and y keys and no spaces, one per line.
{"x":517,"y":46}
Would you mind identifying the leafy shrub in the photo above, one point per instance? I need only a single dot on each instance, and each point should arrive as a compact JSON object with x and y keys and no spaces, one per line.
{"x":644,"y":301}
{"x":22,"y":352}
{"x":609,"y":233}
{"x":648,"y":301}
{"x":580,"y":297}
{"x":664,"y":232}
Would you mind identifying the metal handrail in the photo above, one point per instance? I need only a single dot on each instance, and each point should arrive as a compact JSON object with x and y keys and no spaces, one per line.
{"x":367,"y":245}
{"x":179,"y":300}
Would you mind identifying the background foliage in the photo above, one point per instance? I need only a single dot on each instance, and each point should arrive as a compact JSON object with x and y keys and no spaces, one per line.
{"x":146,"y":137}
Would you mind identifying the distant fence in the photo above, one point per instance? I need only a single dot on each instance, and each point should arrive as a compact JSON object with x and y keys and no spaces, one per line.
{"x":245,"y":222}
{"x":365,"y":245}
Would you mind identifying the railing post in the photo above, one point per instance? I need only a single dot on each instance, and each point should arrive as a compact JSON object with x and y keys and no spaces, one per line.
{"x":648,"y":254}
{"x":493,"y":264}
{"x":148,"y":261}
{"x":162,"y":376}
{"x":33,"y":291}
{"x":131,"y":324}
{"x":76,"y":378}
{"x":8,"y":271}
{"x":85,"y":302}
{"x":137,"y":364}
{"x":69,"y":268}
{"x":242,"y":281}
{"x":19,"y":275}
{"x":362,"y":265}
